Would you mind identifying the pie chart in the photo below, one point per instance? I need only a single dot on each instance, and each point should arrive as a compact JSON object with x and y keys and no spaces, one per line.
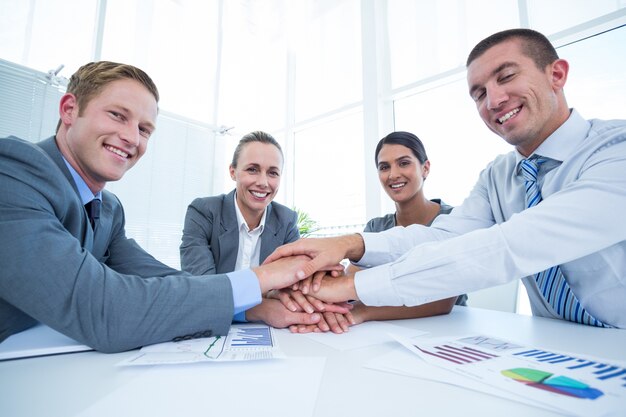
{"x":549,"y":382}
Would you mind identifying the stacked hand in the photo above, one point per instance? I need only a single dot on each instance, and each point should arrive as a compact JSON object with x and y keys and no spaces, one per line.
{"x":336,"y":317}
{"x":307,"y":278}
{"x":325,"y":254}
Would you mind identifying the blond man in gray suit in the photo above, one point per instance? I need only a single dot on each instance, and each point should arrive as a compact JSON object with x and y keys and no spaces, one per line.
{"x":71,"y":266}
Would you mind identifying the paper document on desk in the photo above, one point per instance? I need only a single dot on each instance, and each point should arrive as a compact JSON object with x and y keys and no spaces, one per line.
{"x":39,"y":340}
{"x":244,"y":342}
{"x":365,"y":334}
{"x":572,"y":383}
{"x":402,"y":362}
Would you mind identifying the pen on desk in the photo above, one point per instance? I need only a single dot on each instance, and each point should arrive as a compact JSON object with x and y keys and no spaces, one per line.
{"x":211,"y":345}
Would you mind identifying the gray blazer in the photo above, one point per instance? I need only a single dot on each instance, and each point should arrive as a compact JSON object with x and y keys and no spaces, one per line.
{"x":379,"y":224}
{"x":211,"y":237}
{"x":100,"y":288}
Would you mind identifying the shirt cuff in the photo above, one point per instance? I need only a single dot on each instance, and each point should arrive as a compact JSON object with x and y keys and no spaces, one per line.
{"x":374,"y":245}
{"x":240,"y":317}
{"x":373,"y":287}
{"x":246,"y":291}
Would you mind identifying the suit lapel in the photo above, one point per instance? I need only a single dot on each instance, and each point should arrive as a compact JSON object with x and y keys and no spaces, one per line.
{"x":269,"y":237}
{"x":49,"y":145}
{"x":88,"y":242}
{"x":228,"y":235}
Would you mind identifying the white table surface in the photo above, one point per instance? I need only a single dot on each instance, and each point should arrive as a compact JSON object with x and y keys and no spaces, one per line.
{"x":67,"y":385}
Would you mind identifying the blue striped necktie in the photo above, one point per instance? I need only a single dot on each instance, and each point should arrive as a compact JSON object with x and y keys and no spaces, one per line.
{"x":552,"y":282}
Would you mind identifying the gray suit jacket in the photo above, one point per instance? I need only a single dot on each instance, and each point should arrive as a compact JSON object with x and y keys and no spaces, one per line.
{"x":100,"y":287}
{"x":211,"y":237}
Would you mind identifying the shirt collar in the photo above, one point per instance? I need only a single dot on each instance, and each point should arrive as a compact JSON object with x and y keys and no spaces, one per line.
{"x":563,"y":141}
{"x":83,"y":190}
{"x":241,"y":222}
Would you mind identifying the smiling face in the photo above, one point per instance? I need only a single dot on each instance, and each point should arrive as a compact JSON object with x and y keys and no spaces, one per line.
{"x":257,"y":175}
{"x":400,"y":173}
{"x":516,"y":100}
{"x":106,"y":138}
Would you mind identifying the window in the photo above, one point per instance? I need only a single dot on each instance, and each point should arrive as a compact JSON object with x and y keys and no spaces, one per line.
{"x":328,"y":175}
{"x":173,"y":41}
{"x":253,"y":74}
{"x":554,"y":16}
{"x":430,"y":37}
{"x":596,"y":85}
{"x":328,"y":58}
{"x":46,"y":34}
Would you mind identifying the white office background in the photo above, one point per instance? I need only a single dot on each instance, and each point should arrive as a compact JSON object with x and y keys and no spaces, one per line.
{"x":328,"y":78}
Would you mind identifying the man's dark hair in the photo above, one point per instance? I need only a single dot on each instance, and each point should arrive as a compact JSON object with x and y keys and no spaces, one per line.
{"x":534,"y":45}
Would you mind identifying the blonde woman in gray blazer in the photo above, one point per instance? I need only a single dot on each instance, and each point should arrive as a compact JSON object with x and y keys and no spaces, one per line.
{"x":238,"y":230}
{"x":214,"y":225}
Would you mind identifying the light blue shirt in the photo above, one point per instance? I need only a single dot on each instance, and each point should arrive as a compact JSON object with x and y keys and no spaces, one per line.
{"x":245,"y":285}
{"x":83,"y":190}
{"x":492,"y":239}
{"x":246,"y":292}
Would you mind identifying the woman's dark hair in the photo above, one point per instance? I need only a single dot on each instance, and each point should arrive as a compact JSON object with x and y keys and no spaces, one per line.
{"x":405,"y":139}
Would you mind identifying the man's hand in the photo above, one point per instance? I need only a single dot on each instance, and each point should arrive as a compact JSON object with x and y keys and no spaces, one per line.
{"x":280,"y":273}
{"x":273,"y":313}
{"x":325,"y":253}
{"x":335,"y":289}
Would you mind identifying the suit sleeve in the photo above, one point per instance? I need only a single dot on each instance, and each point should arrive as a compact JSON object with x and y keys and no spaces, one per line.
{"x":48,"y":276}
{"x":293,"y":233}
{"x":196,"y":254}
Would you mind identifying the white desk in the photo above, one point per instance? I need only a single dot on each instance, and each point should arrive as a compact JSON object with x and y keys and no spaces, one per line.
{"x":66,"y":385}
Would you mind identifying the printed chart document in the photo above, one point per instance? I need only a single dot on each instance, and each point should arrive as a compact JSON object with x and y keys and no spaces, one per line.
{"x":575,"y":384}
{"x":40,"y":340}
{"x":244,"y":342}
{"x":402,"y":362}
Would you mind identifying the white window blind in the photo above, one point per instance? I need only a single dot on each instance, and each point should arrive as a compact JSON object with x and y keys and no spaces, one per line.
{"x":28,"y":103}
{"x":177,"y":167}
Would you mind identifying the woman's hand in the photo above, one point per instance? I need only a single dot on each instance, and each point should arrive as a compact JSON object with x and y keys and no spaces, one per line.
{"x":297,"y":301}
{"x":335,"y":322}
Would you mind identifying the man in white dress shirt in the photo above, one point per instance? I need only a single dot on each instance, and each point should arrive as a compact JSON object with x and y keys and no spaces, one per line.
{"x":516,"y":79}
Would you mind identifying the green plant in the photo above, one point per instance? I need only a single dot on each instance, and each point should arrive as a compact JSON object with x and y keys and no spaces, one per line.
{"x":306,"y":225}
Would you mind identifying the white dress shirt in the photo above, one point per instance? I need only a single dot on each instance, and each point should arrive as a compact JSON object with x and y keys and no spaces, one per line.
{"x":249,"y":252}
{"x":492,"y":239}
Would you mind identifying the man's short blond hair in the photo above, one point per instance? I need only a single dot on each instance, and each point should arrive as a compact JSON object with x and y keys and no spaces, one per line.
{"x":89,"y":80}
